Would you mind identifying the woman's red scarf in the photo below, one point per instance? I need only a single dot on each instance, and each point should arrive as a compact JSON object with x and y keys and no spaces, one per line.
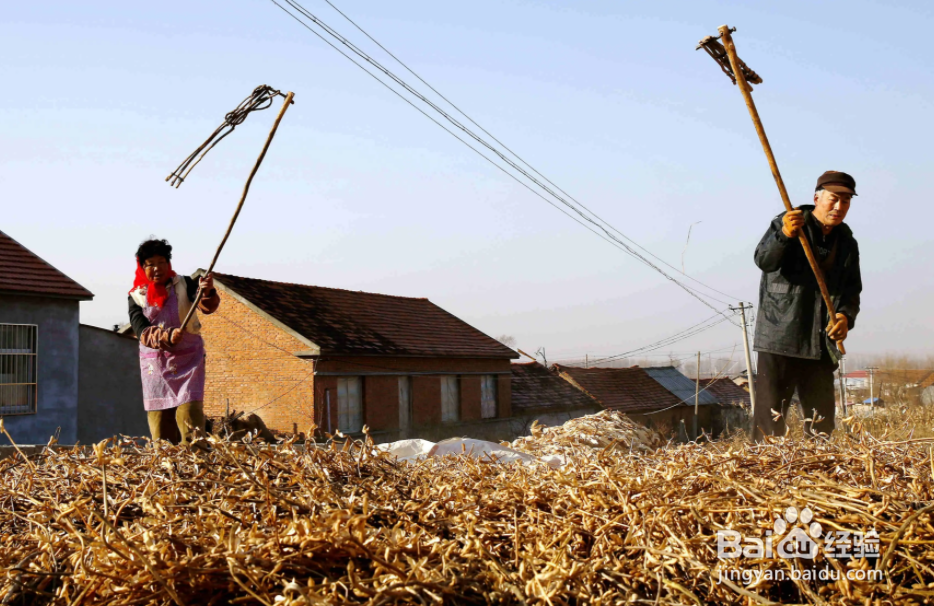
{"x":156,"y":294}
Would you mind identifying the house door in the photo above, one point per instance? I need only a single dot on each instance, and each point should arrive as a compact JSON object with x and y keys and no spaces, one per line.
{"x":405,"y":406}
{"x":450,"y":399}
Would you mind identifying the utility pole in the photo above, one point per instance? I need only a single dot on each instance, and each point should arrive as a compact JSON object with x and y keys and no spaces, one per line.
{"x":749,"y":373}
{"x":843,"y":386}
{"x":696,"y":394}
{"x":586,"y":360}
{"x":872,"y":404}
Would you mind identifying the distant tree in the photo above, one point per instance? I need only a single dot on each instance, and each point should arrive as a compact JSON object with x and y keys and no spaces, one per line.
{"x":507,"y":340}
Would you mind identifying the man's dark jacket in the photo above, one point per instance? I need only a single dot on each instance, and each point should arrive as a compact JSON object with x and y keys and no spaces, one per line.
{"x":792,"y":319}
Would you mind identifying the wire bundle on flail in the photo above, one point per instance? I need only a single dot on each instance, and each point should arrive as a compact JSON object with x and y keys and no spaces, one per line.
{"x":349,"y":525}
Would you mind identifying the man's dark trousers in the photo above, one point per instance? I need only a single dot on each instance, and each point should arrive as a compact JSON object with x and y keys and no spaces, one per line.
{"x":776,"y":380}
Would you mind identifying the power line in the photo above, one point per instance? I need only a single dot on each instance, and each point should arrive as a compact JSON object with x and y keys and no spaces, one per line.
{"x":571,"y":206}
{"x":680,"y":336}
{"x":669,"y":340}
{"x":517,"y":156}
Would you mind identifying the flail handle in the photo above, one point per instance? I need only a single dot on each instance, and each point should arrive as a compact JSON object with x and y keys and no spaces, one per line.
{"x":746,"y":89}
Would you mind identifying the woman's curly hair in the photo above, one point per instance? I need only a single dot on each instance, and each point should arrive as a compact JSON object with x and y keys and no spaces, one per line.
{"x":151,"y":248}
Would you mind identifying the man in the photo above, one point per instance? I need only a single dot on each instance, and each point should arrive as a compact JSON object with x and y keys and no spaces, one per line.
{"x":794,"y":335}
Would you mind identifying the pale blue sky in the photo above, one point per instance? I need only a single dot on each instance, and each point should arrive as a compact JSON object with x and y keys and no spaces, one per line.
{"x":359,"y":191}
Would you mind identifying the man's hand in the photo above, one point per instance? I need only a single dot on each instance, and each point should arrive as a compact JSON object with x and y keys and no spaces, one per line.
{"x":792,"y":223}
{"x":207,"y":283}
{"x":175,"y":335}
{"x":838,"y":328}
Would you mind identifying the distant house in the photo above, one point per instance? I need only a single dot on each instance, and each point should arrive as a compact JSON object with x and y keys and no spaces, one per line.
{"x":661,"y":398}
{"x":889,"y":379}
{"x":299,"y":355}
{"x":857,"y":379}
{"x":57,"y":376}
{"x":539,"y":394}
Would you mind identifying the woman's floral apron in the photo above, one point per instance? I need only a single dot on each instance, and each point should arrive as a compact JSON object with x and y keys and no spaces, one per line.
{"x":171,"y":378}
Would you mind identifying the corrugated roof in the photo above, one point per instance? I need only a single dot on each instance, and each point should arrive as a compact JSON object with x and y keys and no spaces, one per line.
{"x":534,"y":387}
{"x":360,"y":323}
{"x":24,"y":272}
{"x":684,"y":388}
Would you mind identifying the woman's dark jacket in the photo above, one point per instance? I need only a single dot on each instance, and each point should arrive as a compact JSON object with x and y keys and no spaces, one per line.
{"x":792,"y":317}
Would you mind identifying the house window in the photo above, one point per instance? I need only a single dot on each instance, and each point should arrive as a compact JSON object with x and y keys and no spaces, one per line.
{"x":405,"y":403}
{"x":350,"y":404}
{"x":450,"y":399}
{"x":488,"y":397}
{"x":19,"y":352}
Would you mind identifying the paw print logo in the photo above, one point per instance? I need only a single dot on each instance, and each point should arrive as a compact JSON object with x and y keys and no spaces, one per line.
{"x":801,"y":540}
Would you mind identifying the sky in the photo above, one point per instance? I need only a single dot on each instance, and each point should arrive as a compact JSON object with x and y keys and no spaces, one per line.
{"x":609,"y":100}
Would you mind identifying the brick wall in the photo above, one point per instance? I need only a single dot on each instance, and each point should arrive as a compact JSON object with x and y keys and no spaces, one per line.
{"x":470,"y":397}
{"x":326,"y":392}
{"x":504,"y":396}
{"x":250,"y":362}
{"x":426,"y":401}
{"x":381,"y":402}
{"x":251,"y":373}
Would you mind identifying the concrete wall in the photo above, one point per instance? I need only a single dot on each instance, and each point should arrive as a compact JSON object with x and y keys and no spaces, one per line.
{"x":57,"y":368}
{"x":110,"y":392}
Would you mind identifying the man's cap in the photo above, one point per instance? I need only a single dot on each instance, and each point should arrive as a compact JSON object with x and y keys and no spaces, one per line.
{"x":837,"y":182}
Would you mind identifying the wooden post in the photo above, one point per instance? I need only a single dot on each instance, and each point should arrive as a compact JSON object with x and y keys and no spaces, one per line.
{"x":746,"y":89}
{"x":696,"y":394}
{"x":845,"y":407}
{"x":843,"y":385}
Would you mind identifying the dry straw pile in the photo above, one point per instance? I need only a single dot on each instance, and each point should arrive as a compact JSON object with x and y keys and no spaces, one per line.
{"x":348,"y":525}
{"x":606,"y":430}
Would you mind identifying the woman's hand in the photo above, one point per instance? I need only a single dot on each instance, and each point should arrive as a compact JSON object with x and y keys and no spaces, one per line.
{"x":207,"y":283}
{"x":175,"y":336}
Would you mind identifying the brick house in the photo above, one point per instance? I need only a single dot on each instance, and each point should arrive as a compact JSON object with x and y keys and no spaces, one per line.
{"x":660,"y":398}
{"x":298,"y":354}
{"x":727,"y":392}
{"x":540,"y":394}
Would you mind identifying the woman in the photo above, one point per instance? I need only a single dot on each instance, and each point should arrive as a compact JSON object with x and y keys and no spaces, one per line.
{"x":171,"y":360}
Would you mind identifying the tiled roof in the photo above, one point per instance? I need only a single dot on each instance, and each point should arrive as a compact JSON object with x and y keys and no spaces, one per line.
{"x":360,"y":323}
{"x":533,"y":386}
{"x":22,"y":271}
{"x":726,"y":391}
{"x":624,"y":389}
